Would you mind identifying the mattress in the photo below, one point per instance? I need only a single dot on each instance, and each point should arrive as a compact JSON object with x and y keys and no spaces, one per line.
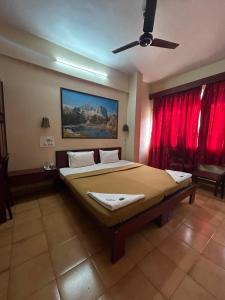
{"x":129,"y":178}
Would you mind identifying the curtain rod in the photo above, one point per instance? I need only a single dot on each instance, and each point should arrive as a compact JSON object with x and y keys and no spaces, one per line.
{"x":188,"y":86}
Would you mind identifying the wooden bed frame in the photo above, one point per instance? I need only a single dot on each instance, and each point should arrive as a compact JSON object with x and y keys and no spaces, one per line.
{"x":161,"y":212}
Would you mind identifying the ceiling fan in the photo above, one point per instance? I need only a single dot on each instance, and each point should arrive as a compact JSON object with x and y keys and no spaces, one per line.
{"x":146,"y":39}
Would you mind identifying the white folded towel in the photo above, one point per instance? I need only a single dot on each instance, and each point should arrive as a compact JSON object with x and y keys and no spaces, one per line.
{"x":115,"y":201}
{"x":179,"y":176}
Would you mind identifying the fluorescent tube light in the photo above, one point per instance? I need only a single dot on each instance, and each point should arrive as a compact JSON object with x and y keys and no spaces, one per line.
{"x":81,"y":67}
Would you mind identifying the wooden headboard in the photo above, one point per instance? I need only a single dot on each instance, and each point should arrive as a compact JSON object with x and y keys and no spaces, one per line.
{"x":62,"y":157}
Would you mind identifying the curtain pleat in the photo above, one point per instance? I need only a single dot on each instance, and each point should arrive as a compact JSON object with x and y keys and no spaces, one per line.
{"x":175,"y":130}
{"x":212,"y":129}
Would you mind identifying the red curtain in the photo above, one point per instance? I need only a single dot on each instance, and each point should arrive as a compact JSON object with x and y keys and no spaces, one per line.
{"x":212,"y":130}
{"x":175,"y":129}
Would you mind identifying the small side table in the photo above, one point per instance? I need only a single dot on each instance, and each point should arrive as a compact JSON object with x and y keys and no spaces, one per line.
{"x":32,"y":176}
{"x":217,"y":179}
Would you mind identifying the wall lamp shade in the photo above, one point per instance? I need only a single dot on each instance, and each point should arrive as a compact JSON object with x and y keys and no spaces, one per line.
{"x":125,"y":128}
{"x":45,"y":123}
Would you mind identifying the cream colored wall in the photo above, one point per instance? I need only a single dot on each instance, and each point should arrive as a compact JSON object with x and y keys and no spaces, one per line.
{"x":131,"y":114}
{"x":145,"y":124}
{"x":139,"y":116}
{"x":30,"y":48}
{"x":205,"y":71}
{"x":32,"y":92}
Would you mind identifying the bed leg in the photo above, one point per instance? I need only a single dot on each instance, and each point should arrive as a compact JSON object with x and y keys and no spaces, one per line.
{"x":192,"y":197}
{"x":164,"y":218}
{"x":118,"y":246}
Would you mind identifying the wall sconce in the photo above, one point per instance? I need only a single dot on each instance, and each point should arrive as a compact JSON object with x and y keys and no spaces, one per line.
{"x":125,"y":128}
{"x":45,"y":123}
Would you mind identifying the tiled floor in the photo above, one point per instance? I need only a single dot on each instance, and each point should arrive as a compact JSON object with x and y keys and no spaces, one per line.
{"x":51,"y":250}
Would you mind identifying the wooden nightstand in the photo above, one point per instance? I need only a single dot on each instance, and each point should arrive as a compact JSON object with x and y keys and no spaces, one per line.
{"x":32,"y":176}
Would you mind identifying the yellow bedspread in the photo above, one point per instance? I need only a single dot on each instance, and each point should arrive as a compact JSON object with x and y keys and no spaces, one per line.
{"x":132,"y":179}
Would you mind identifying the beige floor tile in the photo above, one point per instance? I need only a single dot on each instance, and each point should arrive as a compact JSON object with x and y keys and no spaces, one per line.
{"x":22,"y":207}
{"x":183,"y":210}
{"x":67,"y":255}
{"x":48,"y":292}
{"x":73,"y":237}
{"x":6,"y":237}
{"x":210,"y":276}
{"x":27,"y":215}
{"x":59,"y":228}
{"x":180,"y":253}
{"x":4,"y":281}
{"x":29,"y":248}
{"x":200,"y":226}
{"x":30,"y":277}
{"x":5,"y":253}
{"x":193,"y":239}
{"x":111,"y":273}
{"x":162,"y":272}
{"x":6,"y":225}
{"x":82,"y":282}
{"x":219,"y":236}
{"x":173,"y":225}
{"x":217,"y":216}
{"x":3,"y":296}
{"x":155,"y":234}
{"x":137,"y":247}
{"x":60,"y":234}
{"x":94,"y":241}
{"x":58,"y":219}
{"x":51,"y":204}
{"x":222,"y":225}
{"x":134,"y":286}
{"x":203,"y":213}
{"x":190,"y":290}
{"x":27,"y":229}
{"x":216,"y":253}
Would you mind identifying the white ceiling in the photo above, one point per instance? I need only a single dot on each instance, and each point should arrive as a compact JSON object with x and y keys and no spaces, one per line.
{"x":95,"y":27}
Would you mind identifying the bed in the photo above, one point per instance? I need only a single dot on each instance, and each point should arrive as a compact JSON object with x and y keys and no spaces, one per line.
{"x":162,"y":194}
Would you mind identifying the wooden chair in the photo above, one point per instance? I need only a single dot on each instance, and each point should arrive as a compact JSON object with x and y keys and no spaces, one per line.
{"x":7,"y":199}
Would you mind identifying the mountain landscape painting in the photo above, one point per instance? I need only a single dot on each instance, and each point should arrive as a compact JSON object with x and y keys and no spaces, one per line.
{"x":88,"y":116}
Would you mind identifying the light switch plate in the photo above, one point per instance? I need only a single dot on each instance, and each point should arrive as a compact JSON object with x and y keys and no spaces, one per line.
{"x":47,"y":141}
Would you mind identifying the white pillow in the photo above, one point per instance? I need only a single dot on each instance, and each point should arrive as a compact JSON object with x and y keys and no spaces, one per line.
{"x":109,"y":156}
{"x":81,"y":159}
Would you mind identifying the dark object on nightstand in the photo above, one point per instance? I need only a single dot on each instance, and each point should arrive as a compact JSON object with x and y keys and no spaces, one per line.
{"x":217,"y":179}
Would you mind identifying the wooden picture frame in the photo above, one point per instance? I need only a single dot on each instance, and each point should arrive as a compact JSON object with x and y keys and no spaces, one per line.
{"x":87,"y":116}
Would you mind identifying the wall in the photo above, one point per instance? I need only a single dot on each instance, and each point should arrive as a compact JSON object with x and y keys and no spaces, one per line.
{"x":30,"y":48}
{"x":145,"y":124}
{"x":205,"y":71}
{"x":32,"y":92}
{"x":139,"y":115}
{"x":131,"y":114}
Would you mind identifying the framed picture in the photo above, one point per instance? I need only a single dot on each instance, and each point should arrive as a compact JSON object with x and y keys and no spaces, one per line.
{"x":88,"y":116}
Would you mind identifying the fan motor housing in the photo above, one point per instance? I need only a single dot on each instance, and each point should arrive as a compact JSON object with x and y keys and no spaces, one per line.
{"x":145,"y":39}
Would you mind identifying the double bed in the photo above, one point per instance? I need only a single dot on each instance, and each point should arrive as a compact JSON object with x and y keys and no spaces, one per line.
{"x":161,"y":192}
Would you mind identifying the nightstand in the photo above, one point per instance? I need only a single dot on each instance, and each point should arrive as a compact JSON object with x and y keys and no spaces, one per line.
{"x":32,"y":176}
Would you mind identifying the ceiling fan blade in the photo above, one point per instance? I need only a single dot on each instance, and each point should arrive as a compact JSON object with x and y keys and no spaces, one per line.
{"x":149,"y":15}
{"x":164,"y":44}
{"x":133,"y":44}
